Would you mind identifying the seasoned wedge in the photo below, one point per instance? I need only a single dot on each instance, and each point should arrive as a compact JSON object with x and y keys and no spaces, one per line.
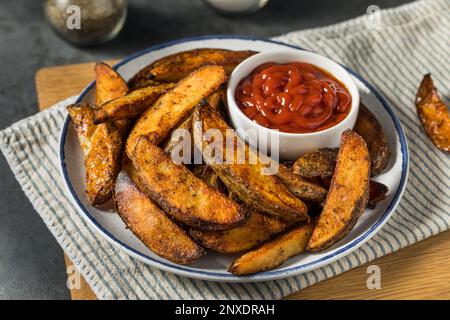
{"x":213,"y":100}
{"x":370,"y":129}
{"x":257,"y":229}
{"x":301,"y":188}
{"x":131,"y":105}
{"x":433,"y":114}
{"x":348,"y":194}
{"x":265,"y":193}
{"x":317,"y":163}
{"x":273,"y":253}
{"x":110,"y":85}
{"x":180,"y":193}
{"x":177,"y":66}
{"x":101,"y":146}
{"x":171,"y":108}
{"x":377,"y":193}
{"x":207,"y":174}
{"x":151,"y":225}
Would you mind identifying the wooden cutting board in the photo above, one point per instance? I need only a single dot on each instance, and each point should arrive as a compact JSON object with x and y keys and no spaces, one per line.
{"x":421,"y":271}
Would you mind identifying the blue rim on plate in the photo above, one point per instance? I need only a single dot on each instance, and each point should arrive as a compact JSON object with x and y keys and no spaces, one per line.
{"x":267,"y":275}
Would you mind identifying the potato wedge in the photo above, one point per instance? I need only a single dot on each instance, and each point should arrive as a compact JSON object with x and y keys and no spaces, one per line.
{"x":110,"y":85}
{"x":370,"y":129}
{"x":151,"y":225}
{"x":348,"y":194}
{"x":273,"y":253}
{"x":171,"y":108}
{"x":265,"y":193}
{"x":207,"y":174}
{"x":213,"y":100}
{"x":317,"y":163}
{"x":257,"y":229}
{"x":433,"y":114}
{"x":101,"y":146}
{"x":377,"y":193}
{"x":177,"y":66}
{"x":301,"y":188}
{"x":131,"y":105}
{"x":180,"y":193}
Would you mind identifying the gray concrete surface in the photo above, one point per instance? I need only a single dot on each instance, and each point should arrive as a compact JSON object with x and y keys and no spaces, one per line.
{"x":31,"y":262}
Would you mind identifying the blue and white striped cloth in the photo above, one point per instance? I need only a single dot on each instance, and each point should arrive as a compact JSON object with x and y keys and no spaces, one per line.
{"x":408,"y":42}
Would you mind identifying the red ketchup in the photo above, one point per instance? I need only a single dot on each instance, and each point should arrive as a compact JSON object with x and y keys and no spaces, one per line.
{"x":293,"y":97}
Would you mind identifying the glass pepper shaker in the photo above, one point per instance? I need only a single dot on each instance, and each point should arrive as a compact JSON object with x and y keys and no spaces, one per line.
{"x":86,"y":22}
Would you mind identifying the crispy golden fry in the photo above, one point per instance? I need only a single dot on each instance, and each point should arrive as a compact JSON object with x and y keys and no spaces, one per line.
{"x":213,"y":100}
{"x":207,"y":174}
{"x":170,"y":143}
{"x":318,"y":163}
{"x":110,"y":85}
{"x":433,"y":114}
{"x":171,"y":108}
{"x":377,"y":193}
{"x":180,"y":193}
{"x":151,"y":225}
{"x":368,"y":127}
{"x":273,"y":253}
{"x":255,"y":230}
{"x":101,"y":146}
{"x":303,"y":189}
{"x":261,"y":192}
{"x":131,"y":105}
{"x":177,"y":66}
{"x":348,"y":194}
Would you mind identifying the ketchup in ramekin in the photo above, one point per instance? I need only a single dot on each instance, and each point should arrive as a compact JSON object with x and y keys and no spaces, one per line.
{"x":293,"y":97}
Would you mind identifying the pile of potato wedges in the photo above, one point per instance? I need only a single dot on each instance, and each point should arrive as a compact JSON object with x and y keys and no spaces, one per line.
{"x":179,"y":210}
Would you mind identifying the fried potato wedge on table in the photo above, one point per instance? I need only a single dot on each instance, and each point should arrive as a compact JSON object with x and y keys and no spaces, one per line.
{"x":109,"y":85}
{"x":370,"y":129}
{"x":257,"y":229}
{"x":177,"y":66}
{"x":171,"y":108}
{"x":151,"y":225}
{"x":180,"y":193}
{"x":265,"y":193}
{"x":272,"y":254}
{"x":101,"y":146}
{"x":317,"y":163}
{"x":348,"y":194}
{"x":433,"y":114}
{"x":131,"y":105}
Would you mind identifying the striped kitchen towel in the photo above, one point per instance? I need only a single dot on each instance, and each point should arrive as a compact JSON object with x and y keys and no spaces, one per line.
{"x":392,"y":49}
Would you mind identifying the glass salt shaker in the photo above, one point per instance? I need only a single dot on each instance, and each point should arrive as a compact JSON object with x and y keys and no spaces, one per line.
{"x":86,"y":22}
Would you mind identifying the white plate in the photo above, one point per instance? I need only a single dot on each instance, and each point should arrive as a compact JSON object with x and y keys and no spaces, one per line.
{"x":214,"y":266}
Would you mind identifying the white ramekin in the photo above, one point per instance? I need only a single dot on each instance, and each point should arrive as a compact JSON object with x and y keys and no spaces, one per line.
{"x":291,"y":145}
